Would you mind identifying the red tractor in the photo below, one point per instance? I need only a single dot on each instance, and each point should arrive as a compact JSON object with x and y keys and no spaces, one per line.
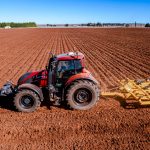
{"x":65,"y":79}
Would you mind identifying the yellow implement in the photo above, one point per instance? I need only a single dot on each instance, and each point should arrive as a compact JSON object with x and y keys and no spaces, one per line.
{"x":138,"y":90}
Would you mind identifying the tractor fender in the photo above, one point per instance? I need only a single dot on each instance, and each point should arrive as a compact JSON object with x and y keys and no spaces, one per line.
{"x":81,"y":76}
{"x":33,"y":88}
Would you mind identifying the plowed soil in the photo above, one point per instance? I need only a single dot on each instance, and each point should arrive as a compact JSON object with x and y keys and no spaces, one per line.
{"x":111,"y":55}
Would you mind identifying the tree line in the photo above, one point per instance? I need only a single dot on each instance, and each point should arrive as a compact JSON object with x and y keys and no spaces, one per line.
{"x":108,"y":24}
{"x":17,"y":25}
{"x":147,"y":25}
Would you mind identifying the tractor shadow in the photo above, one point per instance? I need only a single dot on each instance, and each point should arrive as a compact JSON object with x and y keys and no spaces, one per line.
{"x":6,"y":102}
{"x":130,"y":104}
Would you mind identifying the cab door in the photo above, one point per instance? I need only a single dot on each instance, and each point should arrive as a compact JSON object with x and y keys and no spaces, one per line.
{"x":52,"y":73}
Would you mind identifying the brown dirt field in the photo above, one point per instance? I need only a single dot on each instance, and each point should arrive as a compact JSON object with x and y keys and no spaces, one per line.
{"x":111,"y":54}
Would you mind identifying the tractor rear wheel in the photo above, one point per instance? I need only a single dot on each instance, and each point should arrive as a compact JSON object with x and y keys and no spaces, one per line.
{"x":82,"y":95}
{"x":26,"y":101}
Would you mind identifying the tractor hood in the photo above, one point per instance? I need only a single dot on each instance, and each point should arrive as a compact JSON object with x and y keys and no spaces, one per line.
{"x":38,"y":78}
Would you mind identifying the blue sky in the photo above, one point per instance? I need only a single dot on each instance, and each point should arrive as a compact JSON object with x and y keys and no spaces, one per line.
{"x":75,"y":11}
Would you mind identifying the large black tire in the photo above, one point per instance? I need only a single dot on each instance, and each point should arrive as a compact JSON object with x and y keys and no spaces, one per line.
{"x":82,"y":95}
{"x":26,"y":101}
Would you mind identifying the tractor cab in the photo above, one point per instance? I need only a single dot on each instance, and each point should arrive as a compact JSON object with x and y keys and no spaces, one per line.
{"x":62,"y":67}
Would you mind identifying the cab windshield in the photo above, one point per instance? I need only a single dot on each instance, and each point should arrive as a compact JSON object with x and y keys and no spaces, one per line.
{"x":68,"y":67}
{"x":52,"y":63}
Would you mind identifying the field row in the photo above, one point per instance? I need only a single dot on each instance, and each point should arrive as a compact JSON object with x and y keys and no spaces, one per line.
{"x":110,"y":56}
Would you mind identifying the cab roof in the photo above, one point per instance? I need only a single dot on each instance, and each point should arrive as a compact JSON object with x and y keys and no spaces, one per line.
{"x":70,"y":56}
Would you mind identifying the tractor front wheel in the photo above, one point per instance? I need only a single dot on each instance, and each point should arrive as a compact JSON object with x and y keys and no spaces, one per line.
{"x":82,"y":95}
{"x":26,"y":101}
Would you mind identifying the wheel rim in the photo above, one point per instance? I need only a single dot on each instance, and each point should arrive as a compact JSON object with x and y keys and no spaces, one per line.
{"x":27,"y":101}
{"x":82,"y":97}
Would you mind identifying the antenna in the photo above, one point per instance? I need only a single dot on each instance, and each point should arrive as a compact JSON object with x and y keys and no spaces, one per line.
{"x":77,"y":54}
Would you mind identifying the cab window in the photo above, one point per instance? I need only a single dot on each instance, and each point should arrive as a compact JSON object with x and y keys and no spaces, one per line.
{"x":65,"y":67}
